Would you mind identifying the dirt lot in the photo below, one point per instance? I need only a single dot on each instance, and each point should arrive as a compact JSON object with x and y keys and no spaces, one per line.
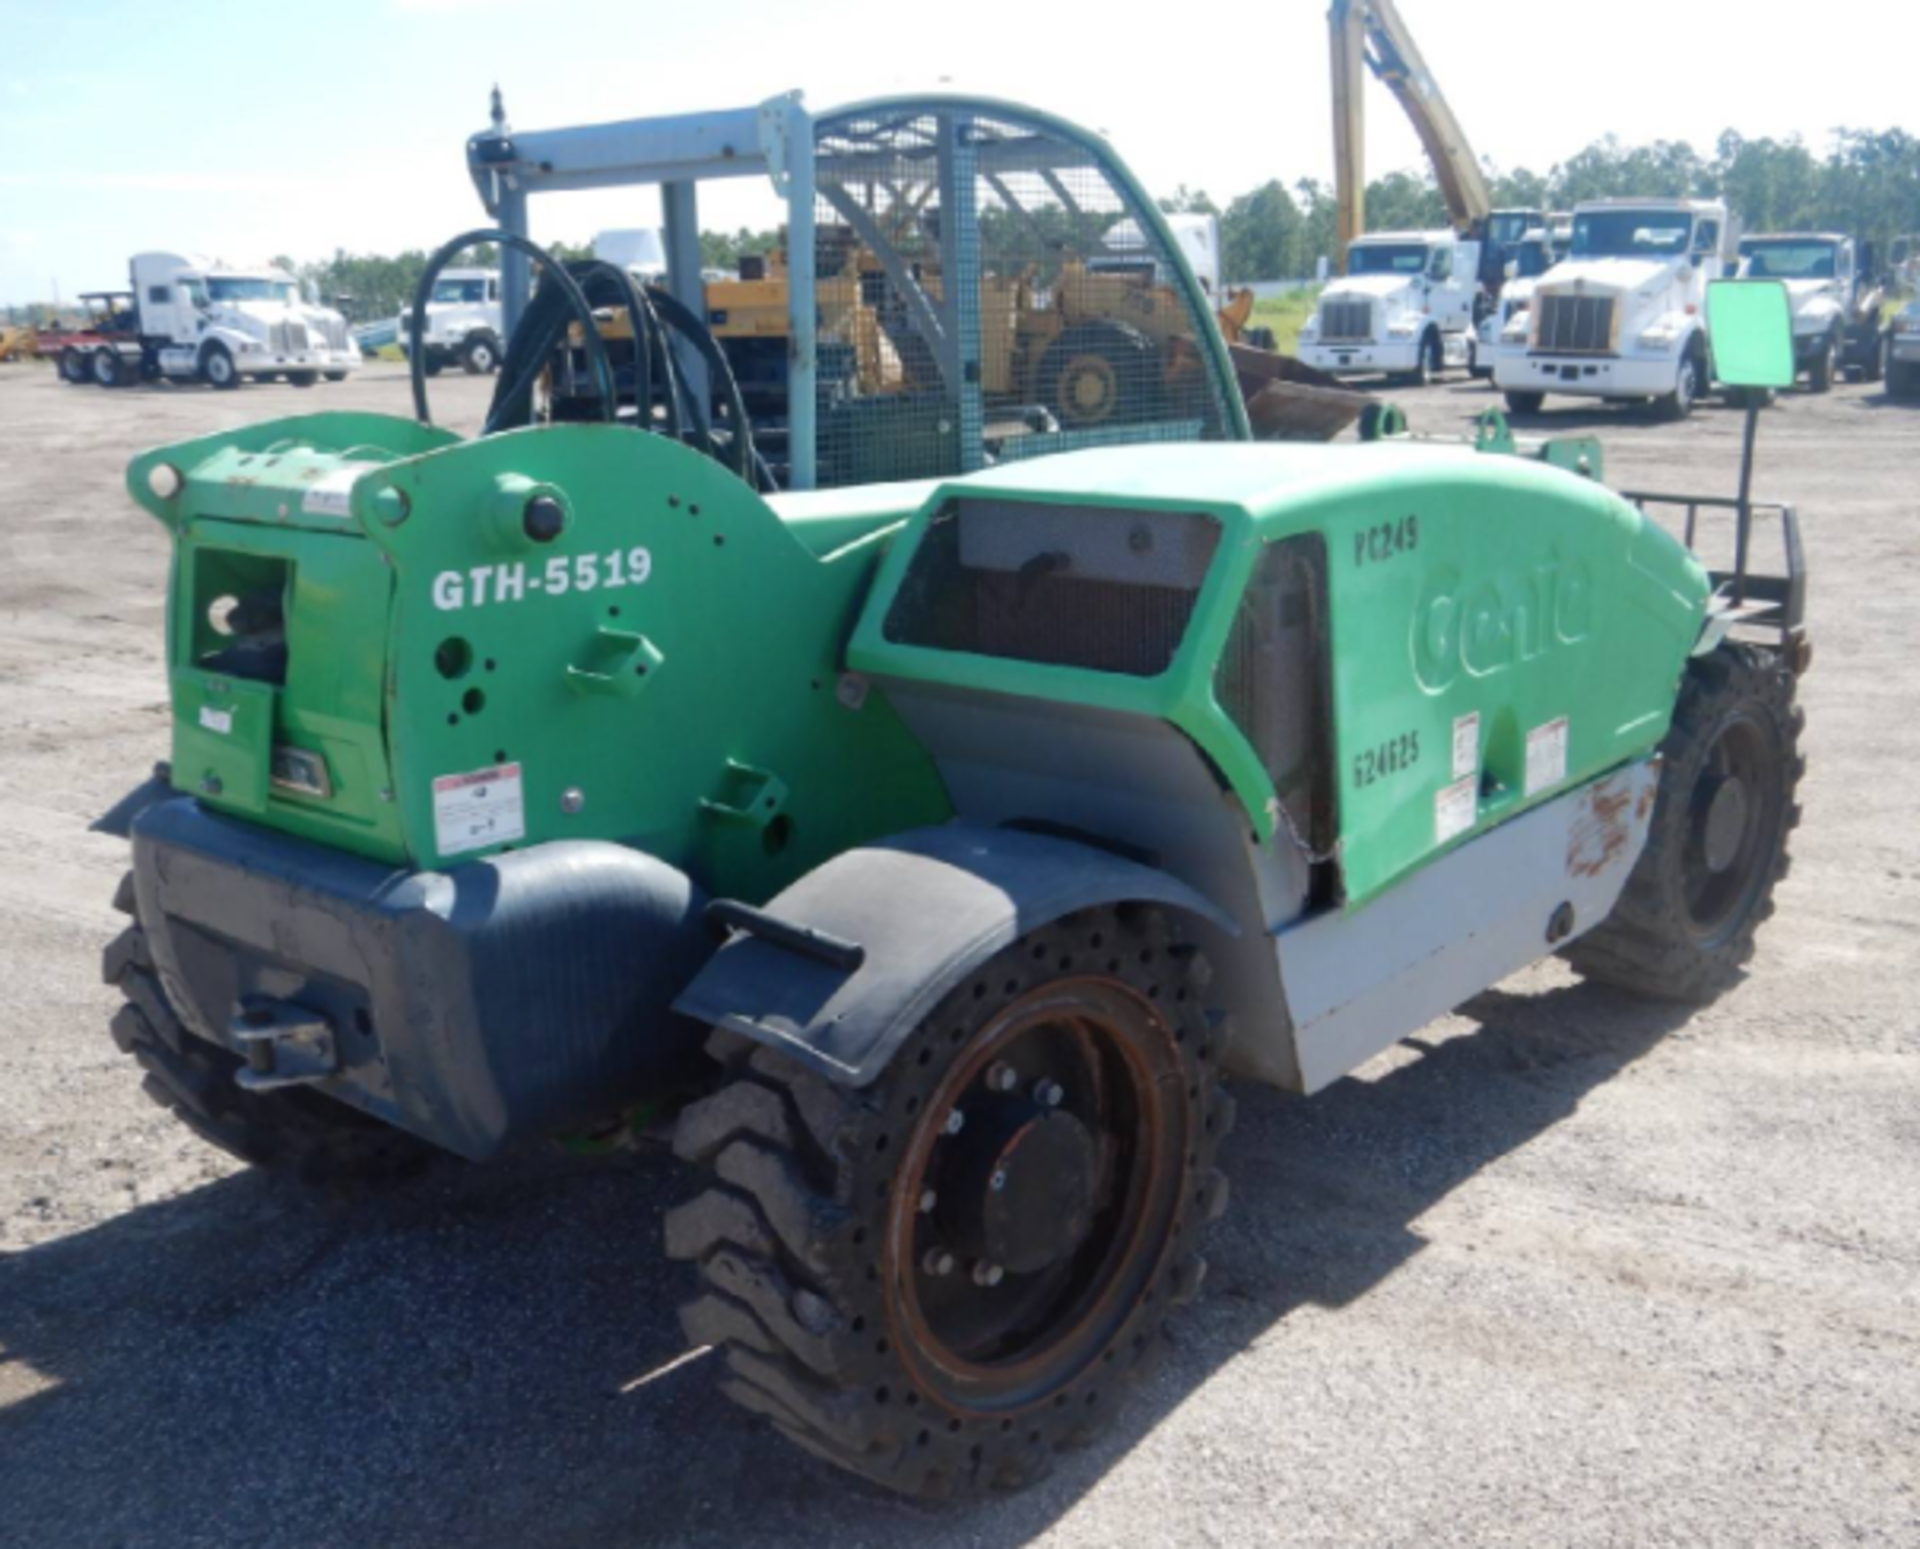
{"x":1566,"y":1269}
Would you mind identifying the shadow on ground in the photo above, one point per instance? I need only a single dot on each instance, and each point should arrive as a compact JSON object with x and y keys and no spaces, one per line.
{"x":459,"y":1362}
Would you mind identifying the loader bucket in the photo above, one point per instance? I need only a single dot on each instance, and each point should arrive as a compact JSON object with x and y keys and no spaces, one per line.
{"x":1288,"y":400}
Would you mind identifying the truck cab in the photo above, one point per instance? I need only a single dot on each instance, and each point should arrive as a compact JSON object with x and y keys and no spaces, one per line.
{"x":462,"y":322}
{"x":210,"y":321}
{"x":1623,"y":317}
{"x":1528,"y":261}
{"x":1836,"y":305}
{"x":1405,"y":308}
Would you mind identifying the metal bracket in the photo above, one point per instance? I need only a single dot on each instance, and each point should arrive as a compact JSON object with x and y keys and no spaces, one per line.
{"x":286,"y":1044}
{"x":758,"y":796}
{"x":623,"y":663}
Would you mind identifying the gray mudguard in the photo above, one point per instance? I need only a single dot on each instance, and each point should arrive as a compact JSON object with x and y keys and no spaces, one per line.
{"x":925,"y":908}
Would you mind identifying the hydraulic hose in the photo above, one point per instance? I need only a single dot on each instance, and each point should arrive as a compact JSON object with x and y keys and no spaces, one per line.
{"x":542,"y":259}
{"x":655,"y":316}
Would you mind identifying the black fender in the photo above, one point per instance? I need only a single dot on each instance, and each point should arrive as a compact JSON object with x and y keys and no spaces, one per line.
{"x":843,"y":965}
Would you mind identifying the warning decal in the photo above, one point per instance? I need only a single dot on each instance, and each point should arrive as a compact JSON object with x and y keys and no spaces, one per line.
{"x":1466,"y":744}
{"x":1455,"y":809}
{"x":1546,"y":756}
{"x":472,"y":811}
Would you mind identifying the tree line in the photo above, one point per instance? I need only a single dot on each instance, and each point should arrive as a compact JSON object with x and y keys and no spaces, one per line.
{"x":1867,"y":185}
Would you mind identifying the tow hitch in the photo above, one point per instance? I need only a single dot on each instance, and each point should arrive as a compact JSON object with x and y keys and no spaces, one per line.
{"x":286,"y":1044}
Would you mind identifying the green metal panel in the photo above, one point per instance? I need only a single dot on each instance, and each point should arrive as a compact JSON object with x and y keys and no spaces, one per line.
{"x":665,"y":673}
{"x":1460,"y":585}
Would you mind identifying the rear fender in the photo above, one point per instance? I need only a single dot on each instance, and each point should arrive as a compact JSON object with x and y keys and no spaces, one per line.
{"x":857,"y":953}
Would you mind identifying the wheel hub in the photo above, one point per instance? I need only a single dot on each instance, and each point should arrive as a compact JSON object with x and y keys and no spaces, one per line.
{"x":1020,"y":1186}
{"x":1726,"y":824}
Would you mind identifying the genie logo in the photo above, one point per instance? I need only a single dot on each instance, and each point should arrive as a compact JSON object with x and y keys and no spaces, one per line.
{"x":1489,"y":623}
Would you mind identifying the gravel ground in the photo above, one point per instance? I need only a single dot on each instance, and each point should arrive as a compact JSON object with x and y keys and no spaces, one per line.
{"x":1564,"y":1269}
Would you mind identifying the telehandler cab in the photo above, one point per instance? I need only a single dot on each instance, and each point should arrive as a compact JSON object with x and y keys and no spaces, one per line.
{"x":937,"y":849}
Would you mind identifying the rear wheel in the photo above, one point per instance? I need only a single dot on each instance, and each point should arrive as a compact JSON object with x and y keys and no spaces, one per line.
{"x":108,"y":370}
{"x":940,"y":1280}
{"x":1684,"y":927}
{"x":295,"y":1133}
{"x":336,"y":376}
{"x":302,"y":378}
{"x":75,"y":368}
{"x":1525,"y":403}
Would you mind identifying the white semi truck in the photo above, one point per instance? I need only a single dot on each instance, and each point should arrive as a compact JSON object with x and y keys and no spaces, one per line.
{"x":462,"y":323}
{"x":1836,"y":300}
{"x":1624,"y":316}
{"x":194,"y":319}
{"x":1528,"y":262}
{"x":1406,"y":308}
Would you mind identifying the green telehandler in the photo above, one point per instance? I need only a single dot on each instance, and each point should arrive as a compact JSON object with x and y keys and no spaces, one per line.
{"x":933,"y":851}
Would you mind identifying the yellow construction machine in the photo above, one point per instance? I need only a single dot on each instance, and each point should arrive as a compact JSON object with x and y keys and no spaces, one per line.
{"x":1369,"y":35}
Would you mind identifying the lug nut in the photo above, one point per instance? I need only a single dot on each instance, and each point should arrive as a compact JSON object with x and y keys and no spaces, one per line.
{"x":956,"y":1121}
{"x":987,"y":1274}
{"x":937,"y":1261}
{"x":1002,"y":1077}
{"x":1049,"y":1094}
{"x":928,"y":1199}
{"x":998,"y":1181}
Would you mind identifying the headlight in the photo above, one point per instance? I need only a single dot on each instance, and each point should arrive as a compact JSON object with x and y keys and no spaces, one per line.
{"x":1907,"y":323}
{"x":1660,"y":337}
{"x":1516,"y":331}
{"x":1405,"y":328}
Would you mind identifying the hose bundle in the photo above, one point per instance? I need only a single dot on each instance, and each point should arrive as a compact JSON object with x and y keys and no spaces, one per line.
{"x":663,"y":402}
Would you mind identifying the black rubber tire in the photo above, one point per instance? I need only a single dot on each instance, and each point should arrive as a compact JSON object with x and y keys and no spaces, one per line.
{"x":1652,"y":943}
{"x":1689,"y":382}
{"x":109,"y":371}
{"x":1903,"y":380}
{"x":76,"y":370}
{"x":480,"y":355}
{"x":300,"y":1135}
{"x":336,"y":376}
{"x":1824,"y":366}
{"x":792,"y":1238}
{"x":302,"y":378}
{"x":1135,"y":391}
{"x":218,"y":369}
{"x":1525,"y":403}
{"x":435,"y":364}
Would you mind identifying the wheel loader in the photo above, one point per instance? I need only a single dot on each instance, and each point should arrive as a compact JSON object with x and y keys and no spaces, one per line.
{"x":926,"y":859}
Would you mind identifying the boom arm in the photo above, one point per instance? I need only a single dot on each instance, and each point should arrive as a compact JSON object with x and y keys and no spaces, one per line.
{"x":1372,"y":32}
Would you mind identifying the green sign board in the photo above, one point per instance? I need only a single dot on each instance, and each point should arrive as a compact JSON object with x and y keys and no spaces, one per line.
{"x":1751,"y":325}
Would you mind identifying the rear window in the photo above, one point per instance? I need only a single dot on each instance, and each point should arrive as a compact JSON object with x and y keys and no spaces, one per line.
{"x":1101,"y":588}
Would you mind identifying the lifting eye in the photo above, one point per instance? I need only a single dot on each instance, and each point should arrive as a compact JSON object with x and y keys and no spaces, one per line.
{"x":544,"y":519}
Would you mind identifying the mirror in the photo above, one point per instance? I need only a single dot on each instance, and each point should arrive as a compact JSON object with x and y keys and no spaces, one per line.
{"x":1751,"y":325}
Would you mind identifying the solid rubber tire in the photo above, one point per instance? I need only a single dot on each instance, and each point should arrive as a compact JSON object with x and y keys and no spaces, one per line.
{"x":787,"y":1236}
{"x":301,"y":1135}
{"x":1647,"y":944}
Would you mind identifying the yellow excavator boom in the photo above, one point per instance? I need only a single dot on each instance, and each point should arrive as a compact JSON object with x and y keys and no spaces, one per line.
{"x":1370,"y":34}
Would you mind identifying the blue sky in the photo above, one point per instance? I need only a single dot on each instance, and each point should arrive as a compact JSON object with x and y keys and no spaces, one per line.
{"x":252,"y":129}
